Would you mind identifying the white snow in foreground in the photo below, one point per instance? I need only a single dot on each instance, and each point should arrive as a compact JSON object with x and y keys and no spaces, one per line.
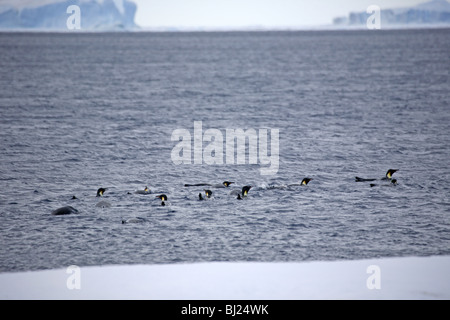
{"x":387,"y":278}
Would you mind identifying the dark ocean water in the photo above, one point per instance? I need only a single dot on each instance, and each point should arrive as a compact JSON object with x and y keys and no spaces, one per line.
{"x":83,"y":111}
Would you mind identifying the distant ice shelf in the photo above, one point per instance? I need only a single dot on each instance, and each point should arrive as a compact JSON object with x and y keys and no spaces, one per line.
{"x":432,"y":13}
{"x":95,"y":15}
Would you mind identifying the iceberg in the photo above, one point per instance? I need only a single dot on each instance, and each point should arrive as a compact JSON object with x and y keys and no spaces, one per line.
{"x":95,"y":15}
{"x":432,"y":13}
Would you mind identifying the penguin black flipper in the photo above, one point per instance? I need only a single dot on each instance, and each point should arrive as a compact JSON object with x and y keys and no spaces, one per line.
{"x":358,"y":179}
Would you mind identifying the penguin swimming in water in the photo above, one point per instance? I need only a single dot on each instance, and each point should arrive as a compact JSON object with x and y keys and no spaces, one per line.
{"x":240,"y":192}
{"x":245,"y":190}
{"x":389,"y":174}
{"x":163,"y":197}
{"x":64,"y":211}
{"x":224,"y":184}
{"x":304,"y":182}
{"x":227,"y":183}
{"x":145,"y":191}
{"x":208,"y":193}
{"x":100,"y":192}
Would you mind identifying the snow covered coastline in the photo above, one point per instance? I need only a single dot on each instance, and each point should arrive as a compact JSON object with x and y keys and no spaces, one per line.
{"x":386,"y":278}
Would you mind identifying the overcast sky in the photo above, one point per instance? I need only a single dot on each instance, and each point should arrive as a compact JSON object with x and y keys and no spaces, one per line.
{"x":248,"y":13}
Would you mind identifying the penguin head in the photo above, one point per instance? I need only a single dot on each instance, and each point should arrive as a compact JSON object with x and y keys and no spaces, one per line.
{"x":227,"y":183}
{"x":208,"y":193}
{"x":100,"y":192}
{"x":163,"y":197}
{"x":245,"y":190}
{"x":305,"y":181}
{"x":390,"y":172}
{"x":146,"y":189}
